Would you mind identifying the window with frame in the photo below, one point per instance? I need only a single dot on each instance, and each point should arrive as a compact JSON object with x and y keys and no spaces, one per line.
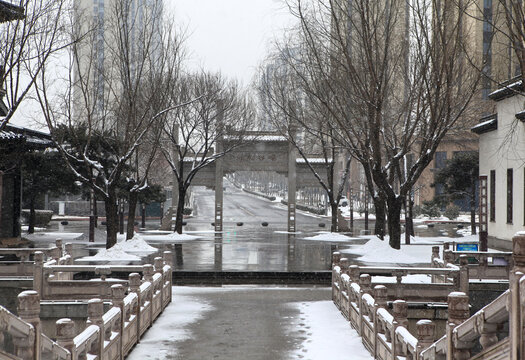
{"x":492,"y":199}
{"x":509,"y":195}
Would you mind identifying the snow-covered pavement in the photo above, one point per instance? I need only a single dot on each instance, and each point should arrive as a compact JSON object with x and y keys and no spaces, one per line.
{"x":251,"y":322}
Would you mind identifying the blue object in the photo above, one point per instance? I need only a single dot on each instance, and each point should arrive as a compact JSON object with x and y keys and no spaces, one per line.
{"x":467,"y":247}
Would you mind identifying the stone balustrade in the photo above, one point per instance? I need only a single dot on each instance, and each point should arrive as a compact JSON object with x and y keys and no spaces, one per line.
{"x":482,"y":264}
{"x":441,"y":281}
{"x":109,"y":335}
{"x":55,"y":282}
{"x":24,"y":265}
{"x":495,"y":332}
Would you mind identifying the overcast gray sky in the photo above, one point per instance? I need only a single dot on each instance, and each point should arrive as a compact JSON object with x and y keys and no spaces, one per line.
{"x":232,"y":36}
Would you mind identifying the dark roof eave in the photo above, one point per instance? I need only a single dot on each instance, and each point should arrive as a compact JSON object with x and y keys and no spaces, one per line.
{"x":10,"y":12}
{"x":485,"y":127}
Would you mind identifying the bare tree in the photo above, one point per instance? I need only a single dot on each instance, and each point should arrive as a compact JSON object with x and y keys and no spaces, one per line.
{"x":303,"y":121}
{"x":26,"y":46}
{"x":212,"y":125}
{"x":119,"y":80}
{"x":397,"y":81}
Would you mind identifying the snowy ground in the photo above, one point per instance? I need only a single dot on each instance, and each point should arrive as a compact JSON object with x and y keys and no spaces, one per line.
{"x":250,"y":323}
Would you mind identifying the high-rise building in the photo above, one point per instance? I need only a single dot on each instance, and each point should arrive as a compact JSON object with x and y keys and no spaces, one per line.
{"x":120,"y":41}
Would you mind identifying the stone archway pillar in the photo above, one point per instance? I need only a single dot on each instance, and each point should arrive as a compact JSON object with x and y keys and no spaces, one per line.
{"x":219,"y":173}
{"x":292,"y":187}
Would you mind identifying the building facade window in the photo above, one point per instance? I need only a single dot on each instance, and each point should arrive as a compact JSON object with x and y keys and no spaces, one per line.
{"x":509,"y":195}
{"x":487,"y":48}
{"x":440,"y":159}
{"x":492,"y":199}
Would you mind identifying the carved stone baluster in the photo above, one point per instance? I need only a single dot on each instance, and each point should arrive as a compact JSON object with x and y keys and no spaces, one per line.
{"x":65,"y":330}
{"x":95,"y":313}
{"x":336,"y":257}
{"x":29,"y":310}
{"x":343,"y":264}
{"x":134,"y":286}
{"x":159,"y":264}
{"x":148,"y":273}
{"x":380,"y":297}
{"x":516,"y":322}
{"x":354,"y":272}
{"x":435,"y":254}
{"x":58,"y":252}
{"x":38,"y":273}
{"x":400,"y":309}
{"x":488,"y":332}
{"x":118,"y":292}
{"x":365,"y":282}
{"x":425,"y":334}
{"x":458,"y":312}
{"x":448,"y":257}
{"x":463,"y":274}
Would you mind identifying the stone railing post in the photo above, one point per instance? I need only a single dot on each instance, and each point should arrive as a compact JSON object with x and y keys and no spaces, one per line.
{"x":159,"y":264}
{"x":65,"y":334}
{"x":148,"y":273}
{"x":463,"y":274}
{"x":343,"y":264}
{"x":380,"y":297}
{"x":336,"y":257}
{"x":425,"y":334}
{"x":118,"y":292}
{"x":400,"y":313}
{"x":57,"y":252}
{"x":458,"y":312}
{"x":29,"y":310}
{"x":95,"y":313}
{"x":38,"y":273}
{"x":365,"y":282}
{"x":168,"y":259}
{"x":354,"y":272}
{"x":516,"y":321}
{"x":435,"y":254}
{"x":448,"y":257}
{"x":134,"y":286}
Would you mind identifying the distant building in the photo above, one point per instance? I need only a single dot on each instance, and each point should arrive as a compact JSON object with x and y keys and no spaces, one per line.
{"x":502,"y":159}
{"x":116,"y":36}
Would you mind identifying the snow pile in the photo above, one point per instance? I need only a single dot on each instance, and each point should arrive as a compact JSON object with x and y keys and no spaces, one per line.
{"x":287,"y":232}
{"x":328,"y":335}
{"x":171,"y":237}
{"x":112,"y":254}
{"x":327,"y":236}
{"x":135,"y":245}
{"x":378,"y":251}
{"x":466,"y":231}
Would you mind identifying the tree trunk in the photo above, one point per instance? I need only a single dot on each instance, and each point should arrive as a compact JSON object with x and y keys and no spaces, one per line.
{"x":380,"y":208}
{"x":32,"y":216}
{"x":473,"y":213}
{"x":112,"y":219}
{"x":132,"y":209}
{"x":333,"y":206}
{"x":395,"y":204}
{"x":409,"y":222}
{"x":180,"y":210}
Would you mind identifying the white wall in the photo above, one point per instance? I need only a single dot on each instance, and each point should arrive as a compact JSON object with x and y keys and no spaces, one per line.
{"x":500,"y":150}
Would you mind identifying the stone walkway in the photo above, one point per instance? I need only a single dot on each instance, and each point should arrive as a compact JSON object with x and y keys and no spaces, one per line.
{"x":250,"y":322}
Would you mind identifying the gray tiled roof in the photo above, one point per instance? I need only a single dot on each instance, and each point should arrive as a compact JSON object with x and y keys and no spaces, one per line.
{"x":32,"y":137}
{"x":9,"y":12}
